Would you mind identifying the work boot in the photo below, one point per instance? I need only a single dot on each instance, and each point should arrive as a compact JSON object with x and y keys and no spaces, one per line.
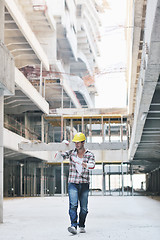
{"x":82,"y":230}
{"x":72,"y":230}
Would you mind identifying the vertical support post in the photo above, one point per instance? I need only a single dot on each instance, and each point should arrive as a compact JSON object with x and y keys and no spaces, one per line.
{"x":62,"y":98}
{"x":62,"y":179}
{"x":102,"y":129}
{"x":61,"y":128}
{"x":42,"y":128}
{"x":109,"y":130}
{"x":25,"y":177}
{"x":122,"y":179}
{"x":21,"y":177}
{"x":26,"y":126}
{"x":71,"y":130}
{"x":82,"y":124}
{"x":42,"y":181}
{"x":34,"y":188}
{"x":40,"y":84}
{"x":131,"y":178}
{"x":119,"y":179}
{"x":103,"y":180}
{"x":90,"y":130}
{"x":46,"y":133}
{"x":129,"y":132}
{"x":1,"y":152}
{"x":53,"y":136}
{"x":90,"y":183}
{"x":65,"y":130}
{"x":109,"y":179}
{"x":2,"y":20}
{"x":121,"y":130}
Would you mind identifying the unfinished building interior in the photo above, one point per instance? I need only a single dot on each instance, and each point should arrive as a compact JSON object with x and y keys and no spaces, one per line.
{"x":47,"y":94}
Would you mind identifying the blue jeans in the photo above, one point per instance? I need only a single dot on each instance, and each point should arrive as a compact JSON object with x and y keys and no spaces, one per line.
{"x":78,"y":192}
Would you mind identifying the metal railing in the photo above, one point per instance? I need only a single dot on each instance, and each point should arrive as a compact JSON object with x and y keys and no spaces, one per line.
{"x":17,"y":127}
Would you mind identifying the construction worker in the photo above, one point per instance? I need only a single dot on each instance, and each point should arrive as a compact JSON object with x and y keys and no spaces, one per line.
{"x":81,"y":160}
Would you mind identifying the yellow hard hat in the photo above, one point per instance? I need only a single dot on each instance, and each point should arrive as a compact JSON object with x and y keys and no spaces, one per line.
{"x":79,"y":137}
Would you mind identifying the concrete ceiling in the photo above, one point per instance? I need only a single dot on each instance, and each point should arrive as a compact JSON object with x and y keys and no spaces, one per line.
{"x":17,"y":44}
{"x":144,"y":149}
{"x":18,"y":103}
{"x":146,"y":157}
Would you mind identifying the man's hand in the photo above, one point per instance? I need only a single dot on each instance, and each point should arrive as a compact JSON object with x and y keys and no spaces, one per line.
{"x":66,"y":142}
{"x":84,"y":165}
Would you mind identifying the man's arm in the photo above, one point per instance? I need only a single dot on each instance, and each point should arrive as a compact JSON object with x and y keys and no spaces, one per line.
{"x":90,"y":164}
{"x":66,"y":154}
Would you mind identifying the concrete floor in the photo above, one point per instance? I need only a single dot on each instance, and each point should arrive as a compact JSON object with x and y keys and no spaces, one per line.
{"x":115,"y":218}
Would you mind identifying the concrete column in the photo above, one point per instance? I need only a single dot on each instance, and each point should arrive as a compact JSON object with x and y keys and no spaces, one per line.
{"x":1,"y":153}
{"x":102,"y":129}
{"x":109,"y":180}
{"x":62,"y":98}
{"x":103,"y":180}
{"x":53,"y":136}
{"x":71,"y":131}
{"x":26,"y":122}
{"x":65,"y":130}
{"x":21,"y":177}
{"x":35,"y":188}
{"x":61,"y":128}
{"x":131,"y":179}
{"x":109,"y":131}
{"x":122,"y":179}
{"x":127,"y":134}
{"x":42,"y":181}
{"x":82,"y":124}
{"x":42,"y":128}
{"x":46,"y":133}
{"x":25,"y":178}
{"x":90,"y":130}
{"x":2,"y":20}
{"x":62,"y":179}
{"x":6,"y":174}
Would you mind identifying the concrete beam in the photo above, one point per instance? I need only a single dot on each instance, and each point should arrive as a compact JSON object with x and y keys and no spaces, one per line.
{"x":40,"y":146}
{"x":27,"y":88}
{"x":12,"y":141}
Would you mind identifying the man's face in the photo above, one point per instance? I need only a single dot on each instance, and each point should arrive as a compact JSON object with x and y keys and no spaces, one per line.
{"x":79,"y":145}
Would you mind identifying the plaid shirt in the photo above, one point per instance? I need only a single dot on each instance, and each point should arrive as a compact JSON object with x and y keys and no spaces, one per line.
{"x":74,"y":176}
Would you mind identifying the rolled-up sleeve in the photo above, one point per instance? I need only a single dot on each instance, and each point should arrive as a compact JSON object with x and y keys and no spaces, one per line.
{"x":91,"y":162}
{"x":66,"y":154}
